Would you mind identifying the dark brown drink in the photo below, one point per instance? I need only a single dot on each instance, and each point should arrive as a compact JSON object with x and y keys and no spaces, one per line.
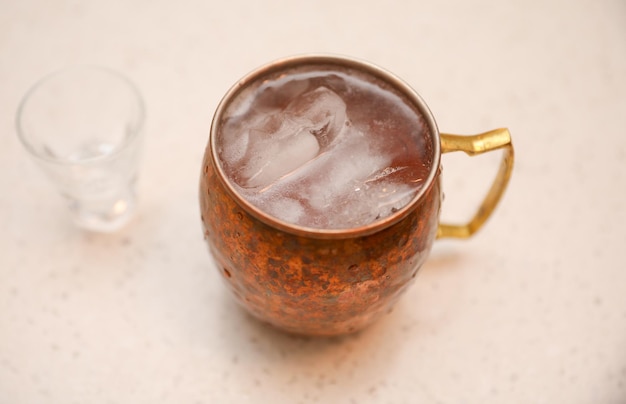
{"x":324,"y":147}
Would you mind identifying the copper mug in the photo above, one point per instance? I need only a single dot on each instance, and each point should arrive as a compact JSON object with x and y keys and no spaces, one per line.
{"x":323,"y":281}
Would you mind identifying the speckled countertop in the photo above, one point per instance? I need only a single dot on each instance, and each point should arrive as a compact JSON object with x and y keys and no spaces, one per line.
{"x":531,"y":310}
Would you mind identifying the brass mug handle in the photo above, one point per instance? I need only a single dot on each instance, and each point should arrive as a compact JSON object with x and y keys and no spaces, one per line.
{"x":473,"y":145}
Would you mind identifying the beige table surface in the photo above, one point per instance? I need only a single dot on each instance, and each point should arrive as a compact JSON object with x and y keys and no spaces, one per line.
{"x":531,"y":310}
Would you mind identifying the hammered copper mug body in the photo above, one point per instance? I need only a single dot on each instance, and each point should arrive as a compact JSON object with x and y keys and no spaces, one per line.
{"x":330,"y":282}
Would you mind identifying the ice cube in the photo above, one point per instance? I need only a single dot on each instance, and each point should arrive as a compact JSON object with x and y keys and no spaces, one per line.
{"x":390,"y":189}
{"x":270,"y":161}
{"x":286,"y":140}
{"x":285,"y":208}
{"x":324,"y":109}
{"x":347,"y":166}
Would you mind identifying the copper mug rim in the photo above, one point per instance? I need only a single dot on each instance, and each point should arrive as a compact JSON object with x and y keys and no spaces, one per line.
{"x":345,"y":62}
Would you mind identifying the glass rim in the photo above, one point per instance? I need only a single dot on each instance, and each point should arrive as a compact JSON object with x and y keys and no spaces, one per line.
{"x":119,"y":147}
{"x":346,"y":62}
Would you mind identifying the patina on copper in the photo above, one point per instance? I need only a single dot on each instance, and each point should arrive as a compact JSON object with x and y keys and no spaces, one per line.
{"x":325,"y":281}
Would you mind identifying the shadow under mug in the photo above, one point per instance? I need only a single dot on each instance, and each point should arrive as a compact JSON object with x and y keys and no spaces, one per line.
{"x":326,"y":281}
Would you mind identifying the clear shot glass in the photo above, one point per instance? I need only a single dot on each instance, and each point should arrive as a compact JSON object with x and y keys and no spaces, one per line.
{"x":83,"y":126}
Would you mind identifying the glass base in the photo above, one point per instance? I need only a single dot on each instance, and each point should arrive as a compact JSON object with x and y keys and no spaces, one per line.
{"x":104,"y":216}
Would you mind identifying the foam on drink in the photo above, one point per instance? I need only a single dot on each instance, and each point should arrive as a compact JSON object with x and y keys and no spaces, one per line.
{"x":324,"y":147}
